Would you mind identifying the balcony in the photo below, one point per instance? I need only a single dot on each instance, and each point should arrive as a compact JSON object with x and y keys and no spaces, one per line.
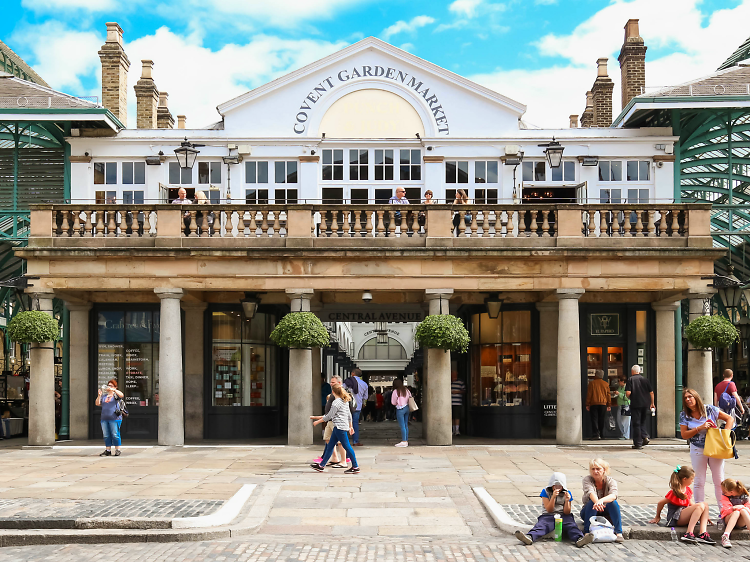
{"x":371,"y":227}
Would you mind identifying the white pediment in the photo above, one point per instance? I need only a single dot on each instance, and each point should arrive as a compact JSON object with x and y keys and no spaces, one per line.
{"x":298,"y":104}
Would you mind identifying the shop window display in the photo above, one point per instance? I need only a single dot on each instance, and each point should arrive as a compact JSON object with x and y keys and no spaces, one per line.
{"x":501,"y":359}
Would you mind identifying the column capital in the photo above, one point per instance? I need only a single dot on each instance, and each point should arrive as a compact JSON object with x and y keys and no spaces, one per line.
{"x":663,"y":307}
{"x":83,"y":307}
{"x":197,"y":306}
{"x":43,"y":297}
{"x":703,"y":293}
{"x":305,"y":294}
{"x":547,"y":306}
{"x":169,"y":293}
{"x":432,"y":294}
{"x":569,"y":293}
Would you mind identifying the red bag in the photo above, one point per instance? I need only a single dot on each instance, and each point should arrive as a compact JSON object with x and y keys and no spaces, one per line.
{"x":379,"y":402}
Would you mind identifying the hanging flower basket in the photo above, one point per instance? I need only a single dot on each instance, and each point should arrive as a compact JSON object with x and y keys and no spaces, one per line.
{"x":706,"y":332}
{"x":33,"y":326}
{"x":300,"y":330}
{"x":443,"y":331}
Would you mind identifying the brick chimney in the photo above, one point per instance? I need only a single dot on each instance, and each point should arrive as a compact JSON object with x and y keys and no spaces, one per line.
{"x":181,"y":121}
{"x":602,"y":92}
{"x":587,"y":117}
{"x":164,"y":119}
{"x":147,"y":97}
{"x":115,"y":65}
{"x":632,"y":63}
{"x":574,"y":121}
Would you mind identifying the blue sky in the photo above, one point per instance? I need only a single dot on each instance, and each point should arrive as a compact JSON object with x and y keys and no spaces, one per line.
{"x":540,"y":52}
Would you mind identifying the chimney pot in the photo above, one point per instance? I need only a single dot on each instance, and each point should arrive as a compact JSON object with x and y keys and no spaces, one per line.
{"x":181,"y":121}
{"x":163,"y":98}
{"x":164,"y":119}
{"x":631,"y":29}
{"x":589,"y":99}
{"x":114,"y":33}
{"x":148,"y":66}
{"x":115,"y":65}
{"x":574,"y":121}
{"x":601,"y":67}
{"x":632,"y":63}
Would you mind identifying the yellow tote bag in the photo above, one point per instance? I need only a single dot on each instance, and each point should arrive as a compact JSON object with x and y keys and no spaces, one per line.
{"x":720,"y":443}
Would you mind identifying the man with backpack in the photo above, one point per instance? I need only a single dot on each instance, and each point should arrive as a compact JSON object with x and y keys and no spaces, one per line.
{"x":725,"y":395}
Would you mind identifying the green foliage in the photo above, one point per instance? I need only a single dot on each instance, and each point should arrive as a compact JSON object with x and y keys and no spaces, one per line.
{"x":33,"y":326}
{"x":443,"y":331}
{"x":301,"y":330}
{"x":706,"y":332}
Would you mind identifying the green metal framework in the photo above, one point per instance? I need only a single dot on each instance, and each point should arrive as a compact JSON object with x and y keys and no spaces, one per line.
{"x":741,"y":54}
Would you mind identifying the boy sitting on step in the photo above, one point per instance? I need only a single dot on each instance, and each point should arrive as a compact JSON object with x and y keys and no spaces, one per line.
{"x":557,"y":500}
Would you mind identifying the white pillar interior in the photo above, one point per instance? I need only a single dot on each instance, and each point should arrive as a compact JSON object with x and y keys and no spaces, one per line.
{"x":300,"y":430}
{"x":569,"y":407}
{"x":665,"y":368}
{"x":79,"y":389}
{"x":438,"y":391}
{"x":171,"y":416}
{"x":194,"y":322}
{"x":42,"y":381}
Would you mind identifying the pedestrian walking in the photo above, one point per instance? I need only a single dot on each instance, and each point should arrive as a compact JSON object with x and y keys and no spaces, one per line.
{"x":108,"y":398}
{"x":358,"y":389}
{"x":600,"y":497}
{"x":338,"y":456}
{"x":379,"y":404}
{"x":400,"y":399}
{"x":682,"y":509}
{"x":726,"y":396}
{"x":641,"y":396}
{"x":597,"y":403}
{"x":341,"y":416}
{"x":695,"y":420}
{"x":622,"y":414}
{"x":458,"y":389}
{"x":557,"y":501}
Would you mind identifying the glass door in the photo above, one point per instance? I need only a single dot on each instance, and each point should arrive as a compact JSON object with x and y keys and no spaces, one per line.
{"x":610,"y":360}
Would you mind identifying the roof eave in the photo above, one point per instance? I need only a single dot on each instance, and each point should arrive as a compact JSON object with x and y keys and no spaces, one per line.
{"x":678,"y":102}
{"x":68,"y":114}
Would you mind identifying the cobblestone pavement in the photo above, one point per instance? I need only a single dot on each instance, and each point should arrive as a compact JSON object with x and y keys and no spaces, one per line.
{"x":632,"y":515}
{"x":126,"y":508}
{"x":398,"y":549}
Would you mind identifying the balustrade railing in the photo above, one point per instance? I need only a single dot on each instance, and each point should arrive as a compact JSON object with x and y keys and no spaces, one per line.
{"x":370,"y":222}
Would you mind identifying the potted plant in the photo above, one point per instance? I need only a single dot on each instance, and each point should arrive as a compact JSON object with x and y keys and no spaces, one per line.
{"x":706,"y":332}
{"x":443,"y":331}
{"x":33,"y":326}
{"x":301,"y":330}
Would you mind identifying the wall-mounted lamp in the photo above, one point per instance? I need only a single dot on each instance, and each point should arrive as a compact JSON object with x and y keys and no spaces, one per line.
{"x":250,"y":304}
{"x":553,"y":151}
{"x":590,"y":161}
{"x":187,"y":154}
{"x":494,"y":303}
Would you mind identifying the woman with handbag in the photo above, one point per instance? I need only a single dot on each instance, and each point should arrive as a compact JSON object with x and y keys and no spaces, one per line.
{"x":696,"y":419}
{"x":400,"y":398}
{"x":111,"y":417}
{"x":623,"y":408}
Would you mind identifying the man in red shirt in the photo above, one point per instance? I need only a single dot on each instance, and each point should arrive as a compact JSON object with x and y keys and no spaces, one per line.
{"x":730,"y":388}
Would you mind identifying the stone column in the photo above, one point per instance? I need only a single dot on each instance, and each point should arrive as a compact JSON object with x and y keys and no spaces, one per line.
{"x":42,"y":381}
{"x":548,"y":320}
{"x":171,"y":413}
{"x":81,"y":393}
{"x":317,"y":403}
{"x":569,"y":407}
{"x":665,"y":368}
{"x":699,"y":361}
{"x":438,"y":393}
{"x":194,"y":364}
{"x":300,"y":430}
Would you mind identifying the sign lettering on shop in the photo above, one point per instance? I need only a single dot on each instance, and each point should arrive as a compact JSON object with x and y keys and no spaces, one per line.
{"x":605,"y":324}
{"x":373,"y":317}
{"x":365,"y":71}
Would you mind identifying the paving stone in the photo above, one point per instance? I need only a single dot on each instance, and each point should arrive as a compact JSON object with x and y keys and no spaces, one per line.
{"x":122,"y":509}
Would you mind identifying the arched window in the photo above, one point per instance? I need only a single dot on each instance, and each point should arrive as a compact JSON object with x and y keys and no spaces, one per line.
{"x":373,"y":350}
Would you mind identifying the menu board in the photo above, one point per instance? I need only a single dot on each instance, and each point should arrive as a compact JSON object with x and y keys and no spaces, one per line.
{"x":110,"y":363}
{"x":137,"y":373}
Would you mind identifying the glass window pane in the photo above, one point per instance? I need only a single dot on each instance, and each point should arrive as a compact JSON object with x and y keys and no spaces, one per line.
{"x":643,"y":195}
{"x":279,"y":196}
{"x":226,"y":376}
{"x":463,"y":172}
{"x":112,"y":197}
{"x":644,"y":170}
{"x":263,"y":197}
{"x":214,"y":196}
{"x":127,"y":172}
{"x":528,"y":171}
{"x":480,"y":171}
{"x":363,"y":172}
{"x":249,"y":172}
{"x":570,"y":171}
{"x":291,"y":196}
{"x":492,"y":196}
{"x":632,"y":170}
{"x":616,"y":167}
{"x":127,"y":197}
{"x":416,"y":172}
{"x":280,"y":175}
{"x":327,"y":156}
{"x":251,"y":196}
{"x":338,"y":157}
{"x":111,"y":172}
{"x":492,"y":172}
{"x":404,"y":157}
{"x":557,"y":173}
{"x":539,"y":171}
{"x":388,"y":173}
{"x":363,"y":156}
{"x":291,"y":172}
{"x":111,"y":325}
{"x":416,"y":156}
{"x":616,"y":196}
{"x":327,"y":172}
{"x":174,"y":173}
{"x":516,"y":326}
{"x":215,"y":172}
{"x":253,"y":330}
{"x":186,"y":175}
{"x":378,"y":157}
{"x":353,"y":156}
{"x":98,"y":172}
{"x":353,"y":172}
{"x":110,"y":363}
{"x":389,"y":157}
{"x":489,"y":328}
{"x":404,"y":173}
{"x":202,"y":172}
{"x":138,"y":326}
{"x":262,"y":172}
{"x":138,"y":197}
{"x":139,"y":175}
{"x":632,"y":196}
{"x":140,"y":380}
{"x":450,"y":172}
{"x":604,"y":196}
{"x":338,"y":172}
{"x":379,"y":176}
{"x":603,"y":170}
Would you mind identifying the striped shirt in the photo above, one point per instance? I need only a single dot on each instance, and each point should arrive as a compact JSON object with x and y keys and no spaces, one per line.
{"x":340,"y":415}
{"x":458,"y":398}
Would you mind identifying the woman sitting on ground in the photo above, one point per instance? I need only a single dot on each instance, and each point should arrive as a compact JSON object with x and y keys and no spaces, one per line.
{"x":600,"y":497}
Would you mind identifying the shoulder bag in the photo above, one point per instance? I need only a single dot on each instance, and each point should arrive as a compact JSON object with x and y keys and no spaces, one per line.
{"x":121,"y":409}
{"x":719,"y":443}
{"x":412,"y":404}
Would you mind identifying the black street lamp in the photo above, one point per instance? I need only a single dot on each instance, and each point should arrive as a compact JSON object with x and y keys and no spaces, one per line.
{"x":553,"y":151}
{"x":186,"y":154}
{"x":250,"y":304}
{"x":744,"y":327}
{"x":493,"y":303}
{"x":730,"y":292}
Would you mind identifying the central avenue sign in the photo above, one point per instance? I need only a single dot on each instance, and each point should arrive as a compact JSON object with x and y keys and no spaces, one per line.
{"x":371,"y":313}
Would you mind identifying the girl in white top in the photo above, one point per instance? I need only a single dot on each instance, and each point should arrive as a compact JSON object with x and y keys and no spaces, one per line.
{"x":341,"y":416}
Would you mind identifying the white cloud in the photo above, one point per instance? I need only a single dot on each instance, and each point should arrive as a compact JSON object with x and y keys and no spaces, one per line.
{"x":402,"y":26}
{"x":276,"y":13}
{"x":465,"y":8}
{"x":458,"y":24}
{"x":695,"y":49}
{"x":54,"y":5}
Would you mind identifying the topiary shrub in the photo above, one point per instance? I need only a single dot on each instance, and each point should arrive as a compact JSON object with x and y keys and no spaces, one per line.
{"x":33,"y":326}
{"x":443,"y":331}
{"x":706,"y":332}
{"x":300,"y":330}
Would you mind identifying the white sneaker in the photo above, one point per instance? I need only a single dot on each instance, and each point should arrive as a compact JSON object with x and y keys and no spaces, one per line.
{"x":457,"y":432}
{"x":402,"y":444}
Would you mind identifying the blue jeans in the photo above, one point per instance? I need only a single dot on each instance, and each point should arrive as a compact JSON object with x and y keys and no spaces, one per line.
{"x":402,"y":415}
{"x":611,"y":510}
{"x":111,"y":431}
{"x":339,"y":435}
{"x":355,"y":424}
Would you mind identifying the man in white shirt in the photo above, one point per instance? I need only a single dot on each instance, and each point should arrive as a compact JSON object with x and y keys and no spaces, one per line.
{"x":182,"y":197}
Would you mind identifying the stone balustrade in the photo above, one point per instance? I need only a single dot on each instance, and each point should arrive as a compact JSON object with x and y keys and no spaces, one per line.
{"x":522,"y":225}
